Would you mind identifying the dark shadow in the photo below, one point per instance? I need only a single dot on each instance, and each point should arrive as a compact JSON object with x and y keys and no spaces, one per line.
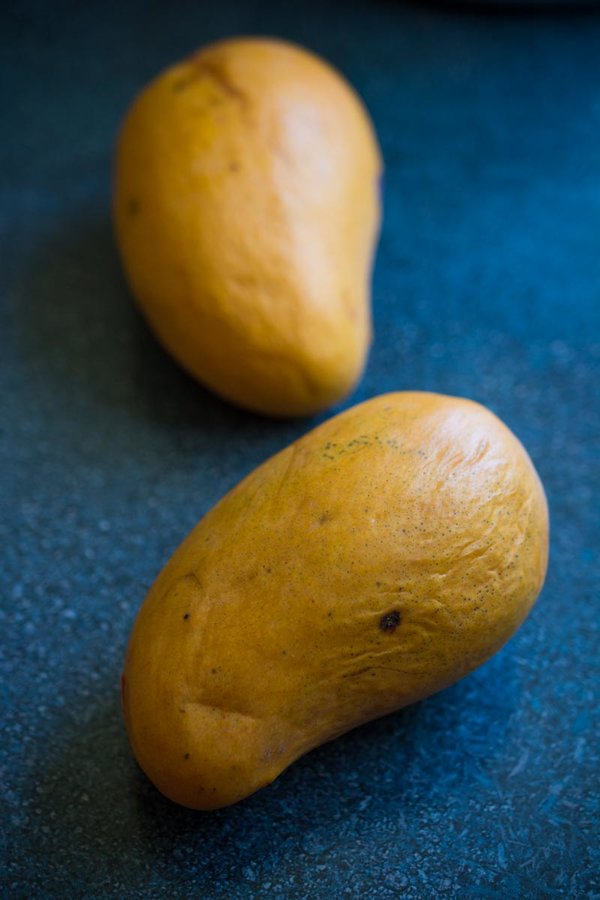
{"x":93,"y":800}
{"x":521,"y":8}
{"x":79,"y":331}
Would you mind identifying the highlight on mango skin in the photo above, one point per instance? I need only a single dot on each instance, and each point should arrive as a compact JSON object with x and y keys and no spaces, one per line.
{"x":376,"y":560}
{"x":247,"y":209}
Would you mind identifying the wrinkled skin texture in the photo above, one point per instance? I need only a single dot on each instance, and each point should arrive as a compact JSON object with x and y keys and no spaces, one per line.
{"x":373,"y":562}
{"x":246,"y":206}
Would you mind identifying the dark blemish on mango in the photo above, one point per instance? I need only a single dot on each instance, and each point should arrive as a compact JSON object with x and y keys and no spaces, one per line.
{"x":186,"y":755}
{"x":200,"y":67}
{"x":134,"y":206}
{"x":221,"y":78}
{"x":390,"y":621}
{"x":186,"y":615}
{"x":213,"y":671}
{"x":325,"y":517}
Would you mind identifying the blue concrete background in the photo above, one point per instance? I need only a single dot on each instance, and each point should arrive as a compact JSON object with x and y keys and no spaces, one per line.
{"x":487,"y":285}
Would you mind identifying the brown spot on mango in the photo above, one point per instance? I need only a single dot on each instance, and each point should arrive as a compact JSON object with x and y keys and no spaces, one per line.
{"x":390,"y":621}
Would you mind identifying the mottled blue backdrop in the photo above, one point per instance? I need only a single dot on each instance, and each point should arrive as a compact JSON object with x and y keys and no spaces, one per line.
{"x":487,"y":285}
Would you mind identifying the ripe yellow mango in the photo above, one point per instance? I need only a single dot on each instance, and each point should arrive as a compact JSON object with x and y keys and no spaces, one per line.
{"x":246,"y":206}
{"x":371,"y":563}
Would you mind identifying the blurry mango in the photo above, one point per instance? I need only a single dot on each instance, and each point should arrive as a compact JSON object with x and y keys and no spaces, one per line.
{"x":246,"y":206}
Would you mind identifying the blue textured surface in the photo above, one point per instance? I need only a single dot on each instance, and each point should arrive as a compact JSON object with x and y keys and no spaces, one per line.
{"x":487,"y":285}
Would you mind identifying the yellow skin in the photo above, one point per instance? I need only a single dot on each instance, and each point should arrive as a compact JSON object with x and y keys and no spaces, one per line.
{"x":246,"y":207}
{"x":373,"y":562}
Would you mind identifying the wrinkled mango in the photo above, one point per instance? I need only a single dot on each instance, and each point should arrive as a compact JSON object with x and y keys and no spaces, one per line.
{"x":374,"y":561}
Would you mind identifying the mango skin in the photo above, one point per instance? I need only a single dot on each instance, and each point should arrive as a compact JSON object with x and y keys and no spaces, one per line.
{"x":373,"y":562}
{"x":246,"y":208}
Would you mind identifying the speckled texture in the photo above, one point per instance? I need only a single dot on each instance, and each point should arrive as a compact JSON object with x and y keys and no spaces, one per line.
{"x":487,"y":285}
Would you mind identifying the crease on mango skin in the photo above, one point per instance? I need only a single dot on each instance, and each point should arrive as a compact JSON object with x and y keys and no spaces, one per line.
{"x":247,"y":210}
{"x":353,"y":573}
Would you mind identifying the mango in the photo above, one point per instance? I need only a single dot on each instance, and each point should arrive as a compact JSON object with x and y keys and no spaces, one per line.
{"x":247,"y":209}
{"x":374,"y":561}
